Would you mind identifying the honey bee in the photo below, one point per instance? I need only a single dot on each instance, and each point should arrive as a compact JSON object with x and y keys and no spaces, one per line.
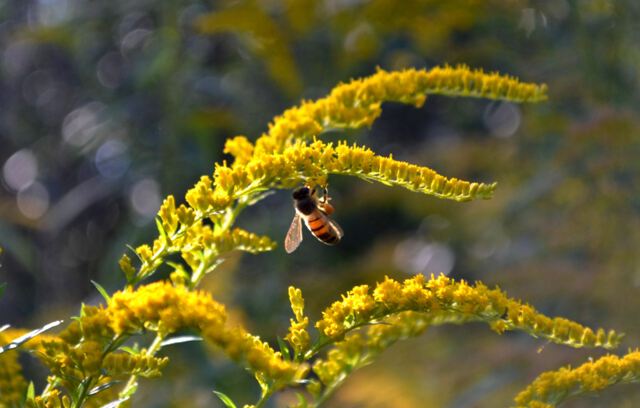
{"x":315,"y":213}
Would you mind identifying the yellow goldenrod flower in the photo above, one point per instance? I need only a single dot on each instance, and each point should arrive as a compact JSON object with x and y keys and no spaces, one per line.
{"x":13,"y":385}
{"x":446,"y":300}
{"x":302,"y":162}
{"x":298,"y":336}
{"x":53,"y":399}
{"x":358,"y":103}
{"x":65,"y":360}
{"x":79,"y":350}
{"x":199,"y":244}
{"x":553,"y":387}
{"x":125,"y":364}
{"x":240,"y":148}
{"x":360,"y":349}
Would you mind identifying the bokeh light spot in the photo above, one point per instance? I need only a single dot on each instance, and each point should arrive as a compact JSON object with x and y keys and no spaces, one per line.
{"x":145,"y":198}
{"x":33,"y":201}
{"x":502,"y":119}
{"x":81,"y":125}
{"x":112,"y":160}
{"x":20,"y":170}
{"x":415,"y":256}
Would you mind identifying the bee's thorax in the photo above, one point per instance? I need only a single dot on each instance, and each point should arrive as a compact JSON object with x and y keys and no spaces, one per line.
{"x":306,"y":205}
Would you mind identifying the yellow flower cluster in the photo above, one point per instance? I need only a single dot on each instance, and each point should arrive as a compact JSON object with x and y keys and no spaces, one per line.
{"x":13,"y":385}
{"x":553,"y":387}
{"x":166,"y":309}
{"x":76,"y":361}
{"x":302,"y":162}
{"x":88,"y":359}
{"x":445,"y":299}
{"x":360,"y":348}
{"x":358,"y":103}
{"x":124,"y":364}
{"x":202,"y":248}
{"x":200,"y":245}
{"x":298,"y":336}
{"x":55,"y":399}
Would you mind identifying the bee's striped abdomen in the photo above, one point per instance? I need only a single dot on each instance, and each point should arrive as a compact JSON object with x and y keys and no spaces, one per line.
{"x":319,"y":225}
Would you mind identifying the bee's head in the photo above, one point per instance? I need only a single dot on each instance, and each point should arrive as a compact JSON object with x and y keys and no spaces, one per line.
{"x":301,"y":193}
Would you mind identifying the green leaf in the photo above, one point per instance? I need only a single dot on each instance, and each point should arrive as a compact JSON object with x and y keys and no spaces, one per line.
{"x":302,"y":401}
{"x":132,"y":249}
{"x":132,"y":390}
{"x":258,"y":197}
{"x":284,"y":349}
{"x":161,"y":229}
{"x":103,"y":292}
{"x":225,"y":400}
{"x":116,"y":403}
{"x":129,"y":350}
{"x":31,"y":393}
{"x":15,"y":343}
{"x":103,"y":387}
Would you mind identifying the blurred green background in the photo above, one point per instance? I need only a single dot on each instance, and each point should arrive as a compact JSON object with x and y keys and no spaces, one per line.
{"x":108,"y":106}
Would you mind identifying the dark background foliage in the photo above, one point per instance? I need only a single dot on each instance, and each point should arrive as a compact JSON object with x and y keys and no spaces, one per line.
{"x":108,"y":106}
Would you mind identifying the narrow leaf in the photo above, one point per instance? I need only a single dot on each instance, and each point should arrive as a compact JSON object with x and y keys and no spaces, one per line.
{"x":161,"y":230}
{"x":284,"y":349}
{"x":103,"y":387}
{"x":253,"y":200}
{"x":102,"y":291}
{"x":180,"y":339}
{"x":302,"y":401}
{"x":115,"y":403}
{"x":225,"y":400}
{"x":31,"y":393}
{"x":129,"y":350}
{"x":26,"y":337}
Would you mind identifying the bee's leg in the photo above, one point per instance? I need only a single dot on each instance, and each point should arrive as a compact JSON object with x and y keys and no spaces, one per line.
{"x":323,"y":203}
{"x":325,"y":195}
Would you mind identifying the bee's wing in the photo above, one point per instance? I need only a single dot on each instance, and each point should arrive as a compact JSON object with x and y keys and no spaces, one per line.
{"x":336,"y":227}
{"x":294,"y":235}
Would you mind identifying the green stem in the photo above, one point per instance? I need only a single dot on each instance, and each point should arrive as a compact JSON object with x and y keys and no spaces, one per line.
{"x":264,"y":397}
{"x":86,"y":385}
